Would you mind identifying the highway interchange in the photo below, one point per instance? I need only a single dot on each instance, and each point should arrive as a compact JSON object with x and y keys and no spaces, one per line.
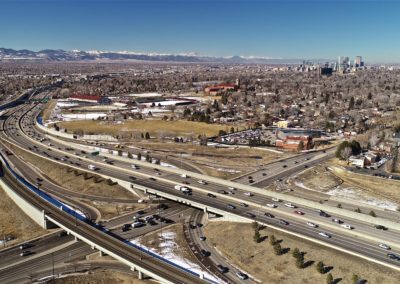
{"x":20,"y":129}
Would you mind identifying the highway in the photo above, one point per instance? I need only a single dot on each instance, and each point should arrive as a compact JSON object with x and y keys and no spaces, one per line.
{"x":164,"y":180}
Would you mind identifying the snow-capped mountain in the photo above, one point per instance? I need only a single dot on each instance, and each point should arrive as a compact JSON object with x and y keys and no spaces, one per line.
{"x":96,"y":55}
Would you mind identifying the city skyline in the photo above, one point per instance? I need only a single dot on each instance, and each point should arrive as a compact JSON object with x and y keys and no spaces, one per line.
{"x":268,"y":29}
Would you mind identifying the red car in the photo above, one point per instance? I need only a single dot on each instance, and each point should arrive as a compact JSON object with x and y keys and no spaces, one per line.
{"x":299,"y":212}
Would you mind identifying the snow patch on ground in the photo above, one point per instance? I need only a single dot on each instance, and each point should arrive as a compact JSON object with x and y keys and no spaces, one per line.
{"x":168,"y":248}
{"x":300,"y":184}
{"x":360,"y":196}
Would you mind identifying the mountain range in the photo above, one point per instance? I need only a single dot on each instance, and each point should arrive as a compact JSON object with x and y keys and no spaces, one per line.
{"x":52,"y":55}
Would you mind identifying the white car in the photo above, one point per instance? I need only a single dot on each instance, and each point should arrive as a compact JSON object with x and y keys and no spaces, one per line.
{"x":231,"y":188}
{"x":290,"y":205}
{"x":347,"y":226}
{"x":384,"y":246}
{"x":201,"y":181}
{"x":276,"y":199}
{"x":325,"y":235}
{"x":271,"y":205}
{"x":311,"y":224}
{"x":248,"y":194}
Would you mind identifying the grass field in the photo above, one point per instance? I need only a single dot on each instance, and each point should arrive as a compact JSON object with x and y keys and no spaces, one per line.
{"x":14,"y":222}
{"x":102,"y":277}
{"x":154,"y":127}
{"x":260,"y":260}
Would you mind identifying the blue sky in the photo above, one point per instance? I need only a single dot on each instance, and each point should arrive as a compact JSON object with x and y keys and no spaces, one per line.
{"x":278,"y":29}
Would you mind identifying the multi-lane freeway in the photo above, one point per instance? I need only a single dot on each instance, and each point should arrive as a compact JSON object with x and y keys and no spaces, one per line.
{"x":363,"y":239}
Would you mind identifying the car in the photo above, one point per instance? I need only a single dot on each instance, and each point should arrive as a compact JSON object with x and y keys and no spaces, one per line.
{"x":202,"y":238}
{"x":336,"y":220}
{"x":202,"y":182}
{"x":251,"y":181}
{"x":284,"y":166}
{"x":139,"y":213}
{"x":276,"y":199}
{"x":250,"y":177}
{"x":222,"y":269}
{"x":306,"y":166}
{"x":283,"y":222}
{"x":298,"y":212}
{"x":125,"y":227}
{"x":241,"y":275}
{"x":162,"y":206}
{"x":243,"y":204}
{"x":205,"y":253}
{"x":296,"y":162}
{"x":271,"y":205}
{"x":230,"y":206}
{"x":325,"y":235}
{"x":222,"y":191}
{"x":386,"y":247}
{"x":25,"y":253}
{"x":311,"y":224}
{"x":231,"y":188}
{"x":231,"y":192}
{"x":185,"y":182}
{"x":211,"y":195}
{"x":324,"y":214}
{"x":279,"y":179}
{"x":132,"y":177}
{"x":25,"y":246}
{"x":347,"y":226}
{"x":264,"y":174}
{"x":290,"y":205}
{"x":380,"y":227}
{"x":153,"y":179}
{"x":393,"y":256}
{"x":269,"y":215}
{"x":248,"y":194}
{"x":251,"y":215}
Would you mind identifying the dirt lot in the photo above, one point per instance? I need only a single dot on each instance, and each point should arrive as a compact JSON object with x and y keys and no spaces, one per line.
{"x":15,"y":223}
{"x":219,"y":162}
{"x":102,"y":277}
{"x":75,"y":180}
{"x":155,"y":127}
{"x":260,"y":260}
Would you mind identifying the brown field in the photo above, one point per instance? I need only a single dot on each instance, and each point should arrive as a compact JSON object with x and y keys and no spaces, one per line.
{"x":155,"y":127}
{"x":14,"y":222}
{"x":109,"y":210}
{"x":260,"y":260}
{"x":62,"y":175}
{"x":48,"y":109}
{"x":219,"y":162}
{"x":375,"y":186}
{"x":102,"y":277}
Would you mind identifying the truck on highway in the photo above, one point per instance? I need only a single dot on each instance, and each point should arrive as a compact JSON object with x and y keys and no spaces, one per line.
{"x":183,"y":189}
{"x":92,"y":167}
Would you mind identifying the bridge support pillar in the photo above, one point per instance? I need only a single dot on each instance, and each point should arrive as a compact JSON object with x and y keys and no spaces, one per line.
{"x":205,"y":210}
{"x":102,"y":253}
{"x":140,"y":275}
{"x":133,"y":268}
